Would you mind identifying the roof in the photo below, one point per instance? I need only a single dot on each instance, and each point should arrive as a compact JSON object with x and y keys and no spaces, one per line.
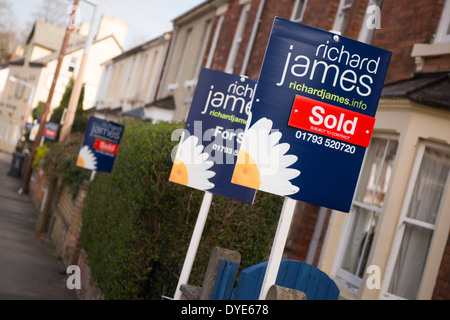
{"x":21,"y":60}
{"x":164,"y":103}
{"x":160,"y":39}
{"x":42,"y":62}
{"x":200,"y":9}
{"x":137,"y":112}
{"x":72,"y":48}
{"x":50,"y":36}
{"x":431,"y":89}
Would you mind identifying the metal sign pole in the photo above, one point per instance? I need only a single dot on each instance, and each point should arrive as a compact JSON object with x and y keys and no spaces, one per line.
{"x":278,"y":245}
{"x":193,"y":245}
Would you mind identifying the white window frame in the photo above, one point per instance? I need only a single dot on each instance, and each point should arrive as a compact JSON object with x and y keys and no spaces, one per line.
{"x":341,"y":16}
{"x":344,"y":278}
{"x":20,"y":89}
{"x":299,"y":10}
{"x":72,"y":64}
{"x":444,"y":24}
{"x":173,"y":86}
{"x":212,"y":49}
{"x":190,"y":85}
{"x":384,"y":294}
{"x":237,"y":39}
{"x":206,"y":35}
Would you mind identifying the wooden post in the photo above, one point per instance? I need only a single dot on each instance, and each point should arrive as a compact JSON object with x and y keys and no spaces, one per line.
{"x":76,"y":90}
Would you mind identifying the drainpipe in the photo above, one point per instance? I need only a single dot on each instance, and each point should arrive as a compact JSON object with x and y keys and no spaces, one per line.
{"x":316,"y":235}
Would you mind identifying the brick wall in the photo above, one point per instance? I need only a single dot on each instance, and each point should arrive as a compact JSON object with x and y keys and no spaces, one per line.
{"x":89,"y":290}
{"x":71,"y":248}
{"x":404,"y":23}
{"x":282,"y":9}
{"x":65,"y":223}
{"x":60,"y":219}
{"x":436,"y":63}
{"x":301,"y":232}
{"x":229,"y":25}
{"x":64,"y":229}
{"x":442,"y":286}
{"x":38,"y":187}
{"x":320,"y":14}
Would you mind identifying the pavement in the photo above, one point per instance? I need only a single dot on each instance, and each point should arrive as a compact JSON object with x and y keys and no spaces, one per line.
{"x":29,"y":266}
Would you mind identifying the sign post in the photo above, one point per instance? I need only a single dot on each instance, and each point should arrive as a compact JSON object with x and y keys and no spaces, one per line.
{"x":194,"y":243}
{"x":279,"y":242}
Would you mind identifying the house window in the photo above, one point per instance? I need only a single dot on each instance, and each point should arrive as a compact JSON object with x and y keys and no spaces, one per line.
{"x":206,"y":35}
{"x":366,"y":210}
{"x":417,"y":224}
{"x":299,"y":10}
{"x":72,"y":64}
{"x":20,"y":88}
{"x":443,"y":30}
{"x":2,"y":127}
{"x":173,"y":86}
{"x":369,"y":24}
{"x":342,"y":15}
{"x":237,"y":39}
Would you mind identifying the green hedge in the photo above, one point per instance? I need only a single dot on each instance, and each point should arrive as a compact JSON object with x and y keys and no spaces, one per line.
{"x":59,"y":159}
{"x":137,"y":225}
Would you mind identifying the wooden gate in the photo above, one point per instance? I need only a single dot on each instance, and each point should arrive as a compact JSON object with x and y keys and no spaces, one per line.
{"x":292,"y":274}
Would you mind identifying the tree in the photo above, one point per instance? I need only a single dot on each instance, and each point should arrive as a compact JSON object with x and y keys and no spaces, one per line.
{"x":38,"y":111}
{"x":53,"y":11}
{"x":81,"y":120}
{"x":8,"y":33}
{"x":6,"y":16}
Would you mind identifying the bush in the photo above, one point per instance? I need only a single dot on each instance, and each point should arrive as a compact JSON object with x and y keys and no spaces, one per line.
{"x":137,"y":225}
{"x":59,"y":159}
{"x":41,"y":151}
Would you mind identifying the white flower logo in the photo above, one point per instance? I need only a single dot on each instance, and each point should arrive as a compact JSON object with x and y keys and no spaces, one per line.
{"x":190,"y":167}
{"x":86,"y":159}
{"x":262,"y":162}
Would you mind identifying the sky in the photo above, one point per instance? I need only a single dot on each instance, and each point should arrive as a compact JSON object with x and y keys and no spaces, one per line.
{"x":147,"y":19}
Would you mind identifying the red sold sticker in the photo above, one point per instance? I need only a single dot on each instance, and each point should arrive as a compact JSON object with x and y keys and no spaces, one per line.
{"x":331,"y":121}
{"x":50,"y":133}
{"x":106,"y":146}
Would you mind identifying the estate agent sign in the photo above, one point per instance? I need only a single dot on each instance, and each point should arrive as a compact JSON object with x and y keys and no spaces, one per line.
{"x":100,"y":145}
{"x":209,"y":145}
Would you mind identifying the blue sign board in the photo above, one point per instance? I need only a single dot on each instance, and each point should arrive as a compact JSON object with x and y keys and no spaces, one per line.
{"x":214,"y":128}
{"x":312,"y":115}
{"x":51,"y":130}
{"x":100,"y":145}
